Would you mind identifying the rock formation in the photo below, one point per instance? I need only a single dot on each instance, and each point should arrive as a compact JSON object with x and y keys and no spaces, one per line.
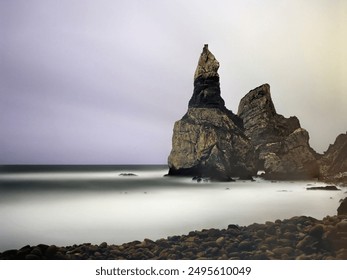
{"x":209,"y":140}
{"x":333,"y":164}
{"x":342,"y":210}
{"x":281,"y":145}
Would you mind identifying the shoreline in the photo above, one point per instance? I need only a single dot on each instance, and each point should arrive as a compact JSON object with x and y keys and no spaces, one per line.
{"x":294,"y":238}
{"x":297,"y":238}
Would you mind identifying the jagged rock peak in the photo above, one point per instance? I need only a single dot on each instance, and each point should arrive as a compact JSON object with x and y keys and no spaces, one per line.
{"x":208,"y":65}
{"x":206,"y":83}
{"x":333,"y":164}
{"x":260,"y":119}
{"x":260,"y":99}
{"x":281,"y":145}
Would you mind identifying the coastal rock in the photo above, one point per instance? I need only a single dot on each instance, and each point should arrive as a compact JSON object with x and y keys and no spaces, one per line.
{"x":342,"y":210}
{"x":127,"y":174}
{"x":281,"y":146}
{"x":326,"y":188}
{"x":333,"y":164}
{"x":209,"y":140}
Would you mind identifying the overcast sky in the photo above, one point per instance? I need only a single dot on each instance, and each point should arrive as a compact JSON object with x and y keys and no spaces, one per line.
{"x":102,"y":82}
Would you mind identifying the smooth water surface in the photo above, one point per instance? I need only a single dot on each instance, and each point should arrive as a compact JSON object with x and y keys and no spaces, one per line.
{"x":66,"y":206}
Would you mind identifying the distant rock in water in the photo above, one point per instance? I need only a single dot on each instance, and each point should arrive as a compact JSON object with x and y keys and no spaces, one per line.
{"x":325,"y":188}
{"x":127,"y":174}
{"x":209,"y":140}
{"x":281,"y":145}
{"x":333,"y":164}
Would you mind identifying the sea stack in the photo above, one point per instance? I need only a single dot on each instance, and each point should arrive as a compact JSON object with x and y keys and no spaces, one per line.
{"x":209,"y":140}
{"x":333,"y":164}
{"x":281,"y":145}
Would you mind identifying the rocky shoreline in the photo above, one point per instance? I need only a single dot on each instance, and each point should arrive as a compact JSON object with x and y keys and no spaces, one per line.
{"x":297,"y":238}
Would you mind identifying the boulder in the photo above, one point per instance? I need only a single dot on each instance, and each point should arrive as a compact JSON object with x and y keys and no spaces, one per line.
{"x":209,"y":140}
{"x":281,"y":146}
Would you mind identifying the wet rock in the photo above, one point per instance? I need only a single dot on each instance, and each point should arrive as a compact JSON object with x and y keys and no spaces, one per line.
{"x":36,"y":251}
{"x":21,"y":253}
{"x":307,"y":244}
{"x":245,"y":246}
{"x":342,"y":226}
{"x":32,"y":257}
{"x":103,"y":245}
{"x":220,"y":241}
{"x":326,"y":188}
{"x":317,"y":231}
{"x":127,"y":174}
{"x":283,"y":251}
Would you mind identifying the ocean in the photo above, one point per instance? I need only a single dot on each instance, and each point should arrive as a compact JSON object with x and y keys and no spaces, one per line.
{"x":66,"y":205}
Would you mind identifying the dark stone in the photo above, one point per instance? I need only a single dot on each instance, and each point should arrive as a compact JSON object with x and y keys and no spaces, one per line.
{"x":245,"y":246}
{"x":235,"y":227}
{"x":247,"y":178}
{"x":103,"y":245}
{"x":317,"y":231}
{"x":51,"y":251}
{"x":23,"y":252}
{"x":127,"y":174}
{"x":36,"y":251}
{"x":32,"y":257}
{"x":43,"y":247}
{"x":206,"y":93}
{"x":9,"y":254}
{"x":342,"y":210}
{"x":174,"y":238}
{"x":326,"y":188}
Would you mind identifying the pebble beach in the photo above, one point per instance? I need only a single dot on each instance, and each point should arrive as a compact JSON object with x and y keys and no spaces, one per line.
{"x":298,"y":238}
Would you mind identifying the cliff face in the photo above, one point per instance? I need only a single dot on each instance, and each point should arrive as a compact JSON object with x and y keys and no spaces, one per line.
{"x":333,"y":164}
{"x":209,"y":140}
{"x":280,"y":144}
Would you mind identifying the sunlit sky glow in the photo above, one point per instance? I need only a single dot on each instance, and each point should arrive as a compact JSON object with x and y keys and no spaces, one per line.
{"x":102,"y":82}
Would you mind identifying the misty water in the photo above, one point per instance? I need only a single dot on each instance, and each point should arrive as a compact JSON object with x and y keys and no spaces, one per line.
{"x":74,"y":205}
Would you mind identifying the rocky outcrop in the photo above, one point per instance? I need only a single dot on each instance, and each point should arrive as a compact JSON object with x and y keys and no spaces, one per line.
{"x":281,"y":146}
{"x":209,"y":140}
{"x":333,"y":164}
{"x":342,"y":210}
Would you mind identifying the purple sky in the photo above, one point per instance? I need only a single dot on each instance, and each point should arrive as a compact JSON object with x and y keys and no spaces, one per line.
{"x":102,"y":82}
